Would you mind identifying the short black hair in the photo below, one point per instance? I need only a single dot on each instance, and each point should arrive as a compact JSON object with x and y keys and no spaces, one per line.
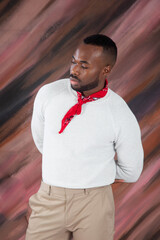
{"x":109,"y":46}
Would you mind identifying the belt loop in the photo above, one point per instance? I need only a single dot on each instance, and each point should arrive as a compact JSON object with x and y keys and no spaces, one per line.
{"x":85,"y":191}
{"x":49,"y":193}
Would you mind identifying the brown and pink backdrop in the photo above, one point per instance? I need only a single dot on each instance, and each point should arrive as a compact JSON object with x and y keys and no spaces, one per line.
{"x":37,"y":39}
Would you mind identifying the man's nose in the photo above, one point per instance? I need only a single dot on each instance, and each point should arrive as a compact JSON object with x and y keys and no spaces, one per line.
{"x":75,"y":70}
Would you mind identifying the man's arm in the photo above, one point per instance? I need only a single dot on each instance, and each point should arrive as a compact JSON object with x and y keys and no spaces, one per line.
{"x":130,"y":154}
{"x":37,"y":121}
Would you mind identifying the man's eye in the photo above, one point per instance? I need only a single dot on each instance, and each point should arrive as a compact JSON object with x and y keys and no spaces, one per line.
{"x":84,"y":67}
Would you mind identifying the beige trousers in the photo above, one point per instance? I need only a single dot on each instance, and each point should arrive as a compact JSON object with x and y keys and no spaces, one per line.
{"x":59,"y":213}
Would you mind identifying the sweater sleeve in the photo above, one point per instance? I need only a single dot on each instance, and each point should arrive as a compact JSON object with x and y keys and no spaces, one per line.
{"x":128,"y":145}
{"x":37,"y":121}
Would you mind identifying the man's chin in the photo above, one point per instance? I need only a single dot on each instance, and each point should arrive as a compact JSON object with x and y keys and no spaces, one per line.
{"x":74,"y":88}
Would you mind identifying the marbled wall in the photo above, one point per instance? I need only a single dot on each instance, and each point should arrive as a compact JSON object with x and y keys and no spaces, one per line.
{"x":37,"y":40}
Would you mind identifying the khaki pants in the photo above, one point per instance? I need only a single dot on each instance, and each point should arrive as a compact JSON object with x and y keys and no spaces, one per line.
{"x":57,"y":213}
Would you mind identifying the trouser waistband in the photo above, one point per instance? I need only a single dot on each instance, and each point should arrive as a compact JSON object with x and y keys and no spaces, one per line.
{"x":63,"y":191}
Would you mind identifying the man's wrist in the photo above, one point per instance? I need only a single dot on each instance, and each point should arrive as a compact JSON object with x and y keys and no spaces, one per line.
{"x":119,"y":180}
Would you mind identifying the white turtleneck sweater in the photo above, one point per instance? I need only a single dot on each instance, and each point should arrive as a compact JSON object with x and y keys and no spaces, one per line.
{"x":82,"y":156}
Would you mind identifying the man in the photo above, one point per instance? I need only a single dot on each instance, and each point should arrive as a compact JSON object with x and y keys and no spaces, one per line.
{"x":78,"y":125}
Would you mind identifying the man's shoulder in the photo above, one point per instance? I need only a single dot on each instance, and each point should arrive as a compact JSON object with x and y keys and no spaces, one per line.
{"x":119,"y":107}
{"x":50,"y":90}
{"x":56,"y":85}
{"x":116,"y":99}
{"x":54,"y":88}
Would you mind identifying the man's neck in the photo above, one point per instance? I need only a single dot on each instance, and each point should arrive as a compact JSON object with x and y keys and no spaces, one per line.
{"x":88,"y":93}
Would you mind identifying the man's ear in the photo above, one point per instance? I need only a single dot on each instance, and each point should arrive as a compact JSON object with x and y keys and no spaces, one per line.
{"x":107,"y":70}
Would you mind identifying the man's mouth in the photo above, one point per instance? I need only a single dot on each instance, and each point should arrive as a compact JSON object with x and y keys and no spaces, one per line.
{"x":73,"y":79}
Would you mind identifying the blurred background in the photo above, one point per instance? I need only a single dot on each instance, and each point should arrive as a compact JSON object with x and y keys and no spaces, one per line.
{"x":37,"y":39}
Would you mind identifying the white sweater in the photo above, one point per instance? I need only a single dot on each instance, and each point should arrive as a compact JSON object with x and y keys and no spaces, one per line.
{"x":82,"y":156}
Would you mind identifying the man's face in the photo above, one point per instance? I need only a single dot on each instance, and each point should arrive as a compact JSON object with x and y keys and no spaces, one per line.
{"x":86,"y":71}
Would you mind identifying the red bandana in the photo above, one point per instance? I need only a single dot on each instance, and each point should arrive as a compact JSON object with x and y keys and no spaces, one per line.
{"x":76,"y":109}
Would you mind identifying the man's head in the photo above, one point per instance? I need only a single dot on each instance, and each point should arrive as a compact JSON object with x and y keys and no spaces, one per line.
{"x":91,"y":63}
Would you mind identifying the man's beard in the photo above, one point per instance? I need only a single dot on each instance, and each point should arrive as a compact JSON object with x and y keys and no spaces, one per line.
{"x":86,"y":87}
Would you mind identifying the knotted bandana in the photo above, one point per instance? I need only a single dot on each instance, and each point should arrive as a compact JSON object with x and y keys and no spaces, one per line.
{"x":76,"y":109}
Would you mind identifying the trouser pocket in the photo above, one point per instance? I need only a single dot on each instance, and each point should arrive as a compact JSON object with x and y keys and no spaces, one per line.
{"x":39,"y":201}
